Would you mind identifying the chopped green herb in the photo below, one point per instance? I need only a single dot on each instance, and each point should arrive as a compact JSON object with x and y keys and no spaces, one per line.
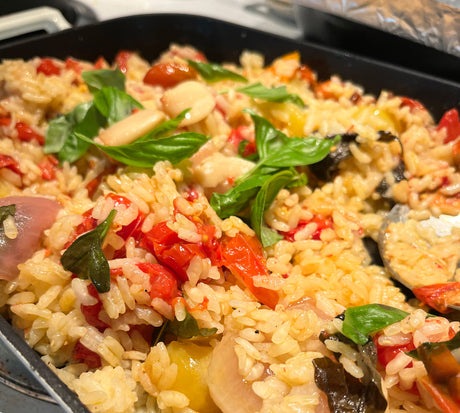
{"x":188,"y":328}
{"x":98,"y":79}
{"x":213,"y":72}
{"x":274,"y":94}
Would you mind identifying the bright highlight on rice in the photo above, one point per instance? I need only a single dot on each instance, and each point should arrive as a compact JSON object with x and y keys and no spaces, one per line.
{"x":186,"y":236}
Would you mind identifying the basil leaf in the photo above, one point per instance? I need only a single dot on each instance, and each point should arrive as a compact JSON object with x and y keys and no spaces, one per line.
{"x":6,"y":211}
{"x":146,"y":153}
{"x":115,"y":104}
{"x":361,"y":321}
{"x":188,"y":328}
{"x":85,"y":258}
{"x":277,"y":150}
{"x":264,"y":199}
{"x":60,"y":128}
{"x":213,"y":72}
{"x":275,"y":94}
{"x":98,"y":79}
{"x":237,"y":198}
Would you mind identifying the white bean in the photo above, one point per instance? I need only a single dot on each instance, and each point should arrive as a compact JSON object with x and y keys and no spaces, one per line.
{"x":190,"y":94}
{"x":131,"y":128}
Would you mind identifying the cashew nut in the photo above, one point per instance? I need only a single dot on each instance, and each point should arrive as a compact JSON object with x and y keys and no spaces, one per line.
{"x":190,"y":94}
{"x":131,"y":128}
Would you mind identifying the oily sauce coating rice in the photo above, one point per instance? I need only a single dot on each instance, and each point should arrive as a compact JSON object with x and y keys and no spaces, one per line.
{"x":197,"y":290}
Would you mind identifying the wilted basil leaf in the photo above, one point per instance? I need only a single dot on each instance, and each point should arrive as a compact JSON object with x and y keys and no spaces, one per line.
{"x":274,"y":94}
{"x":188,"y":328}
{"x":361,"y":321}
{"x":213,"y":72}
{"x":98,"y":79}
{"x":85,"y":258}
{"x":452,"y":344}
{"x":6,"y":211}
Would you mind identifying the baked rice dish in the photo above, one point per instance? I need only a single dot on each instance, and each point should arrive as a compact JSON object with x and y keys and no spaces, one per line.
{"x":187,"y":236}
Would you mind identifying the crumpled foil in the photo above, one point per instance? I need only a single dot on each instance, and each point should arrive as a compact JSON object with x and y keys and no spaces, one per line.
{"x":434,"y":23}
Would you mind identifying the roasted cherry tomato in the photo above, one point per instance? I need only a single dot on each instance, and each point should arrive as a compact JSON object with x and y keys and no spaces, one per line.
{"x":9,"y":162}
{"x":169,"y":74}
{"x":91,"y":312}
{"x":321,"y":222}
{"x":307,"y":74}
{"x":48,"y":68}
{"x":121,"y":60}
{"x":163,"y":282}
{"x":83,"y":354}
{"x":26,"y":133}
{"x":411,"y":103}
{"x":243,"y":256}
{"x":451,"y":122}
{"x":439,"y":296}
{"x":72,"y":64}
{"x":48,"y":167}
{"x":133,"y":228}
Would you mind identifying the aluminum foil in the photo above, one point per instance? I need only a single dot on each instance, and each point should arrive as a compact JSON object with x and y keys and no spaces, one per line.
{"x":434,"y":23}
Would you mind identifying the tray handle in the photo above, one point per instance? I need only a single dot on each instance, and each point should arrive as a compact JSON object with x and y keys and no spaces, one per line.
{"x":29,"y":21}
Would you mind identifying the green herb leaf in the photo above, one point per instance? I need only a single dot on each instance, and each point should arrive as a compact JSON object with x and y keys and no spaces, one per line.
{"x":146,"y":153}
{"x":85,"y":258}
{"x":361,"y":321}
{"x":264,"y":199}
{"x":98,"y":79}
{"x":213,"y":72}
{"x":274,"y":94}
{"x":188,"y":328}
{"x":115,"y":104}
{"x":6,"y":211}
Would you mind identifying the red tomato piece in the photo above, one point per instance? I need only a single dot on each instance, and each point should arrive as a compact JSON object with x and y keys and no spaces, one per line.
{"x":451,"y":122}
{"x":385,"y":354}
{"x":307,"y":74}
{"x":9,"y":162}
{"x":192,"y":195}
{"x":26,"y":133}
{"x":101,"y":63}
{"x":48,"y":68}
{"x":133,"y":227}
{"x":48,"y":167}
{"x":72,"y":64}
{"x":122,"y":58}
{"x":411,"y":103}
{"x":163,"y":282}
{"x":169,"y":74}
{"x":243,"y":256}
{"x":83,"y":354}
{"x":119,"y":200}
{"x":5,"y":121}
{"x":91,"y":312}
{"x":242,"y":133}
{"x":321,"y":221}
{"x":439,"y":296}
{"x":441,"y":398}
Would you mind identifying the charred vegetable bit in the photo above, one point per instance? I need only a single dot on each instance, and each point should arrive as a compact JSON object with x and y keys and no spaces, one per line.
{"x":361,"y":321}
{"x":346,"y":393}
{"x":85,"y":258}
{"x":277,"y":155}
{"x":5,"y":212}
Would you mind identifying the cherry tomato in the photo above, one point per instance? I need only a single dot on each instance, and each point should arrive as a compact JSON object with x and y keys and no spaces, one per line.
{"x":91,"y":312}
{"x":101,"y":63}
{"x":26,"y":133}
{"x":72,"y":64}
{"x":48,"y":68}
{"x":122,"y":58}
{"x":439,"y":296}
{"x":321,"y":221}
{"x":385,"y":354}
{"x":411,"y":103}
{"x":5,"y":121}
{"x":48,"y":167}
{"x":307,"y":74}
{"x":9,"y":162}
{"x":163,"y":282}
{"x":451,"y":122}
{"x":243,"y":256}
{"x":83,"y":354}
{"x":169,"y":74}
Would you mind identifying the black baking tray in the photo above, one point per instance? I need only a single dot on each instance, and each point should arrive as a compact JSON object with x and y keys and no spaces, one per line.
{"x":152,"y":34}
{"x":221,"y":41}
